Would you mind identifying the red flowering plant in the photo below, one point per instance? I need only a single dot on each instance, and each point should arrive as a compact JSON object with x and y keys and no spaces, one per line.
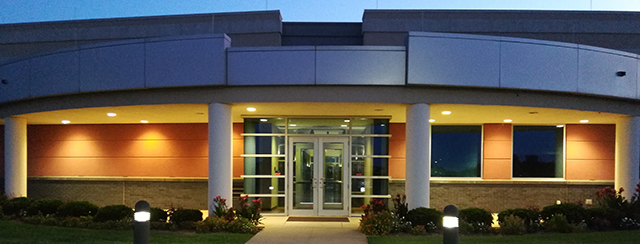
{"x":250,"y":212}
{"x":610,"y":198}
{"x":220,"y":209}
{"x":377,"y":219}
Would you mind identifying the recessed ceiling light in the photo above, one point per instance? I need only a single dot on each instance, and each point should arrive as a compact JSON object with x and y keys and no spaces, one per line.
{"x":347,"y":121}
{"x":432,"y":120}
{"x":584,"y":121}
{"x":508,"y":121}
{"x":66,"y":122}
{"x":559,"y":126}
{"x":446,"y":112}
{"x":144,"y":121}
{"x":263,"y":120}
{"x":343,"y":125}
{"x":293,"y":125}
{"x":251,"y":109}
{"x":111,"y":114}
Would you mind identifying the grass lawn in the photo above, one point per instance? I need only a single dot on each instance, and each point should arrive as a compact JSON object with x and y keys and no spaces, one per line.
{"x":616,"y":237}
{"x":13,"y":232}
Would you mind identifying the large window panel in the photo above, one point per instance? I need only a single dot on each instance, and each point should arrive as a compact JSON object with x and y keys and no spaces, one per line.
{"x":538,"y":151}
{"x":456,"y":151}
{"x":264,"y":125}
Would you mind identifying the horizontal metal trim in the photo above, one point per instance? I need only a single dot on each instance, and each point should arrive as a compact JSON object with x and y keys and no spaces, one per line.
{"x":371,"y":156}
{"x":262,"y":176}
{"x":370,"y":177}
{"x":263,"y":195}
{"x":262,"y":155}
{"x":370,"y":196}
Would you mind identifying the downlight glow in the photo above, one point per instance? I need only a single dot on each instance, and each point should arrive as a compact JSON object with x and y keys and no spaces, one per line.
{"x":584,"y":121}
{"x":251,"y":109}
{"x":144,"y":121}
{"x":432,"y":120}
{"x":263,"y":120}
{"x":66,"y":122}
{"x":559,"y":126}
{"x":111,"y":114}
{"x":446,"y":112}
{"x":508,"y":121}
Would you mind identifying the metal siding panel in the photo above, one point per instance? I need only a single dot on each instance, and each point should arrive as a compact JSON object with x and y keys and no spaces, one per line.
{"x":112,"y":67}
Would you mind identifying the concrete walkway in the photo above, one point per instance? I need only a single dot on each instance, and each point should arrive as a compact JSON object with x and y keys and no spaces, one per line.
{"x":278,"y":230}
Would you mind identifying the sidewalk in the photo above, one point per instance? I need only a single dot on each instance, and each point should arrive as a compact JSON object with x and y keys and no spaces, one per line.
{"x":278,"y":230}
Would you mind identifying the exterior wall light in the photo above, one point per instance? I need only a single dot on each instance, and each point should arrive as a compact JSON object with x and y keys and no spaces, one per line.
{"x":450,"y":224}
{"x":141,"y":224}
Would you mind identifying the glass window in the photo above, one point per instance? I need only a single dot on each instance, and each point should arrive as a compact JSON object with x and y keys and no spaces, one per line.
{"x":272,"y":145}
{"x":264,"y":166}
{"x":455,"y":151}
{"x":370,"y":146}
{"x":369,"y":166}
{"x":264,"y":125}
{"x":264,"y":186}
{"x":538,"y":151}
{"x":329,"y":126}
{"x":370,"y":126}
{"x":369,"y":187}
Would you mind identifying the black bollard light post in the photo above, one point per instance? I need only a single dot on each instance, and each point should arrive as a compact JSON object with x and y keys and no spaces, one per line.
{"x":141,"y":224}
{"x":450,"y":224}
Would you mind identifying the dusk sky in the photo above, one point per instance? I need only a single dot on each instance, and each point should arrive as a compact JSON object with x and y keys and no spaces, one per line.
{"x":18,"y":11}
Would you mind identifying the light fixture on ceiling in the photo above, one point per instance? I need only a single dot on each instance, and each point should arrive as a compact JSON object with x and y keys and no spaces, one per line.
{"x":111,"y":114}
{"x":251,"y":109}
{"x":347,"y":121}
{"x":263,"y":120}
{"x":293,"y":125}
{"x":584,"y":121}
{"x":446,"y":112}
{"x":144,"y":121}
{"x":508,"y":120}
{"x":559,"y":126}
{"x":432,"y":120}
{"x":66,"y":121}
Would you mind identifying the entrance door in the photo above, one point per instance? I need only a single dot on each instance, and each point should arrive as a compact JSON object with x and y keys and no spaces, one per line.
{"x":319,"y":174}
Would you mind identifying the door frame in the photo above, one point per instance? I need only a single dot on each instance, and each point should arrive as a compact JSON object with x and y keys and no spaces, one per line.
{"x":317,"y":176}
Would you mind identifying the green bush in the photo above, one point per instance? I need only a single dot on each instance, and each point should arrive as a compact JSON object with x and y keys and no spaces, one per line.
{"x":465,"y":228}
{"x":155,"y":225}
{"x":530,"y":217}
{"x":158,"y":215}
{"x":3,"y":198}
{"x":557,"y":223}
{"x":77,"y":209}
{"x":430,"y":218}
{"x":574,"y":213}
{"x":479,"y":219}
{"x":113,"y":213}
{"x":17,"y":206}
{"x":186,"y":215}
{"x":216,"y":224}
{"x":513,"y":225}
{"x":377,"y":223}
{"x":76,"y":222}
{"x":604,"y":218}
{"x":242,"y":225}
{"x":45,"y":207}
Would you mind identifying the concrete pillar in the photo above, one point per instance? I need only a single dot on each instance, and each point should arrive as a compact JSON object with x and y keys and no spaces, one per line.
{"x":418,"y":155}
{"x":220,"y":154}
{"x":627,"y":155}
{"x":15,"y":157}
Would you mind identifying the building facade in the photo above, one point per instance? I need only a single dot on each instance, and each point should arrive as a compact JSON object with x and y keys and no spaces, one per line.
{"x":490,"y":109}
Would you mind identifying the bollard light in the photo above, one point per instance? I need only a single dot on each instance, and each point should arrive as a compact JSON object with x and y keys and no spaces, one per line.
{"x":450,"y":224}
{"x":141,"y":224}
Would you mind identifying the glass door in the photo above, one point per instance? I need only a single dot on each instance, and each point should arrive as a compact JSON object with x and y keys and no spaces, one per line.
{"x":319,"y":176}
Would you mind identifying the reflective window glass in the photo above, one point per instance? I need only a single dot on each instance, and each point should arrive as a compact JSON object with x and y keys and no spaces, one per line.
{"x":538,"y":151}
{"x":455,"y":151}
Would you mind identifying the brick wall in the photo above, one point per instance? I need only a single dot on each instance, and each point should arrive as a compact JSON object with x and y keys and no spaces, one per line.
{"x":497,"y":196}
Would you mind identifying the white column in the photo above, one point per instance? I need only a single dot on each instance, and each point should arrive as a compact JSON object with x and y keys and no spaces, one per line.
{"x":627,"y":155}
{"x":220,"y":153}
{"x":15,"y":157}
{"x":418,"y":155}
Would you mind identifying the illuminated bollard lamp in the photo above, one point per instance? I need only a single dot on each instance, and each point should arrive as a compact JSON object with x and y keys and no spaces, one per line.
{"x":450,"y":224}
{"x":141,"y":224}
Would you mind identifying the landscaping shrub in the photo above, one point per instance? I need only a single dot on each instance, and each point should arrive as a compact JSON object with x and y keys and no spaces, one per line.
{"x":202,"y":227}
{"x":603,"y":218}
{"x":3,"y":198}
{"x":557,"y":223}
{"x":186,"y":215}
{"x":17,"y":206}
{"x":77,"y":209}
{"x":430,"y":218}
{"x":76,"y":222}
{"x":113,"y":213}
{"x":479,"y":219}
{"x":158,"y":215}
{"x":513,"y":225}
{"x":242,"y":225}
{"x":574,"y":213}
{"x":465,"y":228}
{"x":418,"y":230}
{"x":377,"y":223}
{"x":220,"y":206}
{"x":530,"y":217}
{"x":216,"y":224}
{"x":44,"y":207}
{"x":400,"y":210}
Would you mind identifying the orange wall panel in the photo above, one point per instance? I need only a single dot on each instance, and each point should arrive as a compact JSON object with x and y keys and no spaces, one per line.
{"x":497,"y":169}
{"x":128,"y":167}
{"x":238,"y":167}
{"x":590,"y":169}
{"x":591,"y":150}
{"x":397,"y":150}
{"x":591,"y":133}
{"x":397,"y":168}
{"x":497,"y":151}
{"x":238,"y":149}
{"x":118,"y":132}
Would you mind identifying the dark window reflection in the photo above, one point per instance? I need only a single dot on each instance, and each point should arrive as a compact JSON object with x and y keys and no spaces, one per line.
{"x":455,"y":151}
{"x":537,"y":151}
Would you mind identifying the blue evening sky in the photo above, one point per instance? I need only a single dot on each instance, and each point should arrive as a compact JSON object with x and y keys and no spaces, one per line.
{"x":18,"y":11}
